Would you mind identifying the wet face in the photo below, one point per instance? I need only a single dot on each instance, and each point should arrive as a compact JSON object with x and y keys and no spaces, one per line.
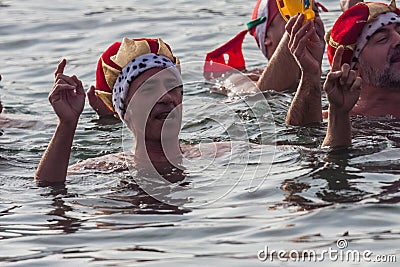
{"x":379,"y":61}
{"x":274,"y":35}
{"x":155,"y":105}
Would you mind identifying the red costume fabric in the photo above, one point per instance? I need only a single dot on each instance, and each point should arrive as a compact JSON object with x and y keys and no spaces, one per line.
{"x":350,"y":25}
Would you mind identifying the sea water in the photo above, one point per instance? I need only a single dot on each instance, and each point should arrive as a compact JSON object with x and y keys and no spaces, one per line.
{"x":282,"y":194}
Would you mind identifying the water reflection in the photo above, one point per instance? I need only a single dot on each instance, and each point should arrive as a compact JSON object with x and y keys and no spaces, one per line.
{"x":60,"y":220}
{"x":141,"y":202}
{"x":127,"y":198}
{"x":366,"y":172}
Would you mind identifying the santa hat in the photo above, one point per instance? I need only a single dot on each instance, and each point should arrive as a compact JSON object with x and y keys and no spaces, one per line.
{"x":124,"y":61}
{"x":356,"y":25}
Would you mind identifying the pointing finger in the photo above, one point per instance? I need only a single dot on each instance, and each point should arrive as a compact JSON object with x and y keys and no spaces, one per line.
{"x":290,"y":23}
{"x":337,"y":59}
{"x":60,"y":67}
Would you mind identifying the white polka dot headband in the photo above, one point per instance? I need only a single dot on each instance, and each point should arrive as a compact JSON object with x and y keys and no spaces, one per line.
{"x":131,"y":71}
{"x":369,"y":29}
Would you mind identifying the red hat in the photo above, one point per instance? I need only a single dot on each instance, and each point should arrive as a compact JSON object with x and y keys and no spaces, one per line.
{"x":118,"y":55}
{"x":350,"y":28}
{"x":230,"y":54}
{"x":269,"y":10}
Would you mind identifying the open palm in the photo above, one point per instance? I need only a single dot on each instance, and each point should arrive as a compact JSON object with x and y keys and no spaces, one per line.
{"x":305,"y":43}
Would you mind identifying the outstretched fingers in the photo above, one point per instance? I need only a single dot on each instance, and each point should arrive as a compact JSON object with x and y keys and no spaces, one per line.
{"x":302,"y":36}
{"x":60,"y":67}
{"x":293,"y":27}
{"x":59,"y":74}
{"x":290,"y":23}
{"x":65,"y":83}
{"x":337,"y":59}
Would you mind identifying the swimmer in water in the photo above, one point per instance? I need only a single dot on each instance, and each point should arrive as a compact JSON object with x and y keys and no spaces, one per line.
{"x":139,"y":80}
{"x":268,"y":28}
{"x":363,"y":55}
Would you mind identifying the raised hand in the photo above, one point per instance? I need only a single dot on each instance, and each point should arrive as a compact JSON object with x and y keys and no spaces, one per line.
{"x":67,"y":95}
{"x":97,"y":104}
{"x":342,"y":85}
{"x":68,"y":99}
{"x":305,"y":43}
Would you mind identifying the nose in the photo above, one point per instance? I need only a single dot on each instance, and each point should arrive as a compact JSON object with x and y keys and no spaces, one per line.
{"x":396,"y":39}
{"x":166,"y":96}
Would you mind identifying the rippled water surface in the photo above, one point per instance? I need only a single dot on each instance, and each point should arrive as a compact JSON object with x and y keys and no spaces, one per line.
{"x":306,"y":199}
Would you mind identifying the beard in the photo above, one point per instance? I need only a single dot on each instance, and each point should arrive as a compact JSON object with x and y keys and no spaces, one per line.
{"x":387,"y":78}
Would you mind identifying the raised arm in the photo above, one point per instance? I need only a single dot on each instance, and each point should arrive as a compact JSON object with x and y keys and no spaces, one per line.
{"x":282,"y":71}
{"x":281,"y":74}
{"x":307,"y":46}
{"x":342,"y":87}
{"x":68,"y":99}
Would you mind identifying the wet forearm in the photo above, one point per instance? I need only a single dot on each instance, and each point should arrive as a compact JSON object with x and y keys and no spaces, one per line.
{"x":54,"y":163}
{"x":306,"y":105}
{"x":282,"y":71}
{"x":338,"y":133}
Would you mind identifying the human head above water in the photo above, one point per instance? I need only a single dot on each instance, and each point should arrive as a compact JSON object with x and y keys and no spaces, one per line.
{"x":265,"y":11}
{"x":267,"y":27}
{"x":123,"y":62}
{"x":355,"y":27}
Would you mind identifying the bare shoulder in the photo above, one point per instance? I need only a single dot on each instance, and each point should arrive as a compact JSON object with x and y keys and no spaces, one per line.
{"x":214,"y":149}
{"x":237,"y":84}
{"x":106,"y":163}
